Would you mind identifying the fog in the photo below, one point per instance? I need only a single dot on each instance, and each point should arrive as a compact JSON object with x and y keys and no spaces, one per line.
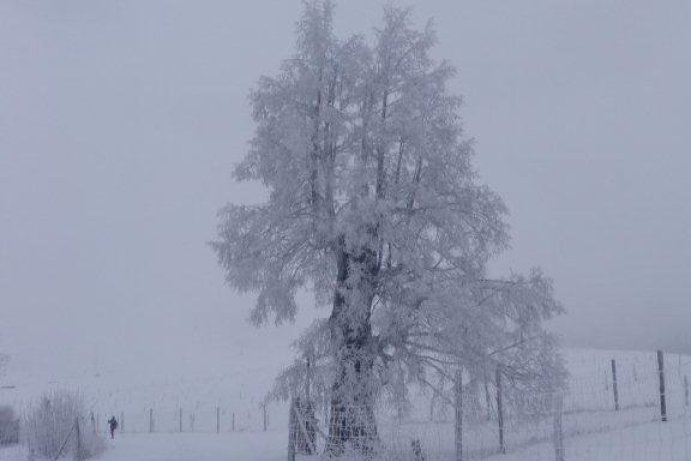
{"x":120,"y":123}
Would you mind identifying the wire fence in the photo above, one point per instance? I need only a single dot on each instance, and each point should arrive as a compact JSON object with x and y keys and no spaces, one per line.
{"x":195,"y":419}
{"x":627,"y":407}
{"x":635,"y":410}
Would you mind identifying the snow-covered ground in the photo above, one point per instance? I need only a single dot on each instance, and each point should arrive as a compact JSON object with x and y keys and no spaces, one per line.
{"x":264,"y":446}
{"x":260,"y":446}
{"x":641,"y":443}
{"x":592,"y":429}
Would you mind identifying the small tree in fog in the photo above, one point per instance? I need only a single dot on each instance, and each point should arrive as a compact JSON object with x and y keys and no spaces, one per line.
{"x":9,"y":426}
{"x":49,"y":429}
{"x":374,"y":205}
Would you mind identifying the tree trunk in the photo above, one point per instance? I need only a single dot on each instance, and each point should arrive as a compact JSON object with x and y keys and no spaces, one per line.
{"x":352,"y":421}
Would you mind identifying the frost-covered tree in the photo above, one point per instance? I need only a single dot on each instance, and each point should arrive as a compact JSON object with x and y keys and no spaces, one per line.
{"x":373,"y":204}
{"x":57,"y":419}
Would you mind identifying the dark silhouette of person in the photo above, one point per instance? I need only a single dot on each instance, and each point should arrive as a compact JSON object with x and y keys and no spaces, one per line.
{"x":113,"y":424}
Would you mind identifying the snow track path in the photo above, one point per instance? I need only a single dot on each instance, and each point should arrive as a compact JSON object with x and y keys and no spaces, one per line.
{"x":256,"y":446}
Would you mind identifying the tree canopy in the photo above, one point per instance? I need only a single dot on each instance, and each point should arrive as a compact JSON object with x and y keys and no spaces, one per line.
{"x":374,"y":205}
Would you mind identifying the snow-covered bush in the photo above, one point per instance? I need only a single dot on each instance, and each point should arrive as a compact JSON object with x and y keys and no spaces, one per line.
{"x":9,"y":426}
{"x":56,"y":427}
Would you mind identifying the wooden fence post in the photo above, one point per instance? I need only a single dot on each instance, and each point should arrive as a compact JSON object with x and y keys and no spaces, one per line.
{"x":233,"y":422}
{"x":458,"y":393}
{"x":264,"y":415}
{"x":122,"y":421}
{"x":180,"y":419}
{"x":500,"y":412}
{"x":661,"y":371}
{"x":488,"y":398}
{"x":218,"y":420}
{"x":292,"y":427}
{"x":615,"y":388}
{"x":304,"y":427}
{"x":686,"y":391}
{"x":151,"y":420}
{"x":78,"y":441}
{"x":558,"y":436}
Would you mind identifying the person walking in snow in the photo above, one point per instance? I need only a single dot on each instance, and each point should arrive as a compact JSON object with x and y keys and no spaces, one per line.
{"x":113,"y":424}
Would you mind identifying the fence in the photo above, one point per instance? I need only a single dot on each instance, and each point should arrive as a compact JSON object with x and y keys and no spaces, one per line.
{"x":628,"y":410}
{"x":196,"y":419}
{"x":613,"y":409}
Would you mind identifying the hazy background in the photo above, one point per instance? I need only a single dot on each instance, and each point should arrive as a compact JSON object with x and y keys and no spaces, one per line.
{"x":120,"y":122}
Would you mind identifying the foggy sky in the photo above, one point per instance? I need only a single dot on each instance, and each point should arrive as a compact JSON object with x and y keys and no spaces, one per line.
{"x":120,"y":123}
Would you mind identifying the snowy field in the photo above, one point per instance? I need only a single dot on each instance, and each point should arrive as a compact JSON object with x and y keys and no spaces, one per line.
{"x":642,"y":443}
{"x":592,"y":429}
{"x":264,"y":446}
{"x":260,"y":446}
